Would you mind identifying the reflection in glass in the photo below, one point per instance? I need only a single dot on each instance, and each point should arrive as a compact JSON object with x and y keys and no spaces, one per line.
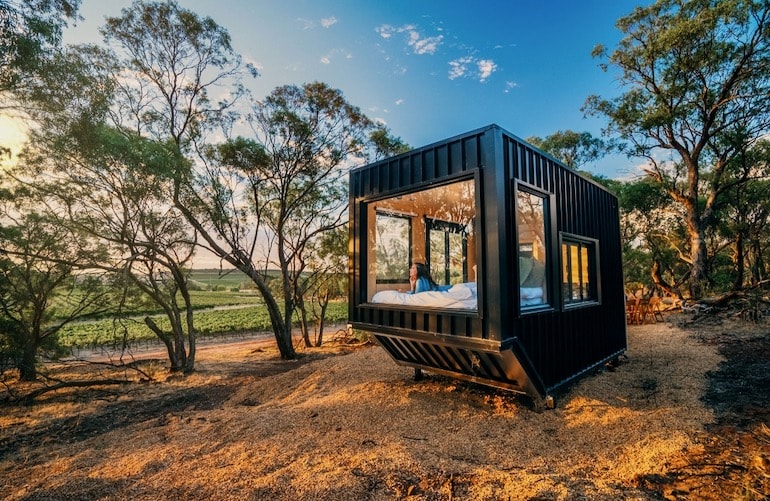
{"x":393,"y":246}
{"x":531,"y":231}
{"x":447,"y":252}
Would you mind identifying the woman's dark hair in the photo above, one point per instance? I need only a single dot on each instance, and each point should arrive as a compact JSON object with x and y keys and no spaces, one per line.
{"x":424,"y":272}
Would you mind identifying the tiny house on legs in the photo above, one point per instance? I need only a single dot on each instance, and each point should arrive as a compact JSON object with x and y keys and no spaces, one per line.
{"x":526,"y":249}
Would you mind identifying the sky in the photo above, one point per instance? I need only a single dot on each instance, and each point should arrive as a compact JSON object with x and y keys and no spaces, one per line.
{"x":428,"y":69}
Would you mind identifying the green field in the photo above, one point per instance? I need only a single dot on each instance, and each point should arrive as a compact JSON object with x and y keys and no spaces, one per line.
{"x":221,"y":279}
{"x":229,"y":309}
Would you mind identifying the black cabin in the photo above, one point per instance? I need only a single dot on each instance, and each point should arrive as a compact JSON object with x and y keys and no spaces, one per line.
{"x":527,"y":252}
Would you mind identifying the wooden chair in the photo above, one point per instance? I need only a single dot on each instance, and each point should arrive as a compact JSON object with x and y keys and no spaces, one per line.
{"x":633,"y":310}
{"x":654,"y":309}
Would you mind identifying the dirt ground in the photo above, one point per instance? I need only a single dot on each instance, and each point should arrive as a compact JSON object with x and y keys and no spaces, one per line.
{"x":685,"y":416}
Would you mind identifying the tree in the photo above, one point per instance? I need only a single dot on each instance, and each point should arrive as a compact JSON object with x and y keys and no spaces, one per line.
{"x":175,"y":64}
{"x":116,"y":168}
{"x":110,"y":182}
{"x":743,"y":219}
{"x":653,"y":237}
{"x":386,"y":145}
{"x":576,"y":149}
{"x":115,"y":194}
{"x":698,"y":92}
{"x":280,"y":190}
{"x":41,"y":289}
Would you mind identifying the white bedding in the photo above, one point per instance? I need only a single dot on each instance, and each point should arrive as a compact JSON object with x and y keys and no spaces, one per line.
{"x":462,"y":296}
{"x":531,"y":296}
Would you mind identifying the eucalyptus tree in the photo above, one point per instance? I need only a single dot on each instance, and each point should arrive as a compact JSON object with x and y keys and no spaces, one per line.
{"x":174,"y":77}
{"x":386,"y":144}
{"x":103,"y":169}
{"x":696,"y":94}
{"x":654,"y":238}
{"x":254,"y":202}
{"x":180,"y":75}
{"x":111,"y":185}
{"x":264,"y":201}
{"x":328,"y":280}
{"x":745,"y":214}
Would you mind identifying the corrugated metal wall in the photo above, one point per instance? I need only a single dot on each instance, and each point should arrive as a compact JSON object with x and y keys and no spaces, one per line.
{"x":564,"y":342}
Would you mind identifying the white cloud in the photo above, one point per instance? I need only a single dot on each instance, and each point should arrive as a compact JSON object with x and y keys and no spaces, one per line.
{"x":419,"y":43}
{"x":486,"y":68}
{"x":306,"y":23}
{"x":459,"y":67}
{"x":309,"y":24}
{"x":424,"y":45}
{"x":399,"y":102}
{"x":386,"y":31}
{"x":335,"y":53}
{"x":509,"y":85}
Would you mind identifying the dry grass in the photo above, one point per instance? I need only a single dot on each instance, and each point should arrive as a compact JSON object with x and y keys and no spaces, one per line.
{"x":348,"y":423}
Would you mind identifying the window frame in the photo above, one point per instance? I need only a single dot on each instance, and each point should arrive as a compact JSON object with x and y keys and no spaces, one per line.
{"x":446,"y":228}
{"x":548,"y":236}
{"x":594,"y":262}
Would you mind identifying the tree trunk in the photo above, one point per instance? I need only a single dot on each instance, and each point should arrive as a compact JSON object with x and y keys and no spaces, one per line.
{"x":281,"y":328}
{"x":191,"y":337}
{"x":175,"y":364}
{"x":323,"y":303}
{"x":699,"y":257}
{"x":27,"y":367}
{"x":303,"y":323}
{"x":659,"y":281}
{"x":740,"y":262}
{"x":758,"y":264}
{"x":180,"y":350}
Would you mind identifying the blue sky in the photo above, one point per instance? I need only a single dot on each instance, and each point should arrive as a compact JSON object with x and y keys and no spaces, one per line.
{"x":429,"y":69}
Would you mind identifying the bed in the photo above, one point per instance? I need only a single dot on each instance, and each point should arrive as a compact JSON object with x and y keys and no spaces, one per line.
{"x":460,"y":296}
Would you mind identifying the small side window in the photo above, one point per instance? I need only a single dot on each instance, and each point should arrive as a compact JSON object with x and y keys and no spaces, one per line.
{"x":532,"y":231}
{"x":579,"y":264}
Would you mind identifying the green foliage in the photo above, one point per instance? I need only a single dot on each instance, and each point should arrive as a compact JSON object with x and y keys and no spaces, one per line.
{"x":31,"y":30}
{"x":385,"y":145}
{"x":576,"y":149}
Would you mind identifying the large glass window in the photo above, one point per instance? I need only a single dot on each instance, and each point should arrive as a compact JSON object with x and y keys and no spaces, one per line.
{"x":434,"y":227}
{"x":578,"y":276}
{"x":532,"y":231}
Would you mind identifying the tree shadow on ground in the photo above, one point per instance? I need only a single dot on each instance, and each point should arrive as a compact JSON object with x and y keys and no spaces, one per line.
{"x":734,"y":460}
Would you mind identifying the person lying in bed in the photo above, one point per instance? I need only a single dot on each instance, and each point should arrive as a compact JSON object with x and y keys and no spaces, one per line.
{"x":421,"y":281}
